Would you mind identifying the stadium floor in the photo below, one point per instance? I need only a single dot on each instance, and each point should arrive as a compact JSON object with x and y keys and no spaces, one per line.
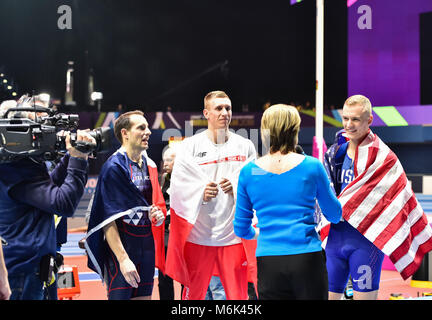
{"x":91,"y":287}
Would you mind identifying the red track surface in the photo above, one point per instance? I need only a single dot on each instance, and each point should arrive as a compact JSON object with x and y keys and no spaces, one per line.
{"x":391,"y":282}
{"x":95,"y":290}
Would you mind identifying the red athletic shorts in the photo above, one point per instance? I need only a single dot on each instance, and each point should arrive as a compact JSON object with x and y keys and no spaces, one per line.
{"x":227,"y":262}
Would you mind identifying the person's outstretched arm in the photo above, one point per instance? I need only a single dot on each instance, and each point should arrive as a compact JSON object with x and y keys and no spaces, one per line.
{"x":327,"y":200}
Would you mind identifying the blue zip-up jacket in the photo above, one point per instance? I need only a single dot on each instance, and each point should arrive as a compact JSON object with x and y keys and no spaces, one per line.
{"x":29,"y":197}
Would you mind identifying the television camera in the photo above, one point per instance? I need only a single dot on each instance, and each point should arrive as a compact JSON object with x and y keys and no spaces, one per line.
{"x":39,"y":138}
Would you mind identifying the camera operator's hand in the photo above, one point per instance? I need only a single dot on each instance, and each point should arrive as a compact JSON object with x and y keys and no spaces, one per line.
{"x":81,"y":135}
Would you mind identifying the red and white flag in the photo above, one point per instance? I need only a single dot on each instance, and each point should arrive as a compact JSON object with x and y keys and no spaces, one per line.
{"x":188,"y":182}
{"x":381,"y":205}
{"x":186,"y":194}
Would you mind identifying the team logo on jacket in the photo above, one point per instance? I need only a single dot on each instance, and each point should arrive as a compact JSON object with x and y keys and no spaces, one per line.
{"x":136,"y":217}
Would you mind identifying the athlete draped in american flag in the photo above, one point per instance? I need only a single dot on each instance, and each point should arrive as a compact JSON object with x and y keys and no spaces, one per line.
{"x":381,"y":214}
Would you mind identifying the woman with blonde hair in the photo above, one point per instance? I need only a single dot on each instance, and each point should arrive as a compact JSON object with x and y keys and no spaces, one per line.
{"x":282,"y":188}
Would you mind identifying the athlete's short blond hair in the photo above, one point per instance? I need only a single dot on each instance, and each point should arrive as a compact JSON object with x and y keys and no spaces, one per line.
{"x":358,"y":99}
{"x":213,"y":95}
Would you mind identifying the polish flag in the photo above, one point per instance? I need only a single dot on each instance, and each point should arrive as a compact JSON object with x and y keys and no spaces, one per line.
{"x":186,"y":195}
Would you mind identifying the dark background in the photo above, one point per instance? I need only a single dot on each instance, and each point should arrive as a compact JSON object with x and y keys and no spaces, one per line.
{"x":154,"y":54}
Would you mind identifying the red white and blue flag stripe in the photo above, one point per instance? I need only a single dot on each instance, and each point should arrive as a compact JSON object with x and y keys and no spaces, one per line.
{"x":381,"y":205}
{"x":115,"y":197}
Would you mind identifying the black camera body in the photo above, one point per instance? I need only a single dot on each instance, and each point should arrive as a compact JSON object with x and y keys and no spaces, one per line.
{"x":39,"y":139}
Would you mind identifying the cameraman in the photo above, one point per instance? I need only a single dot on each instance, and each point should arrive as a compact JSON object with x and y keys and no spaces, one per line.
{"x":29,"y":198}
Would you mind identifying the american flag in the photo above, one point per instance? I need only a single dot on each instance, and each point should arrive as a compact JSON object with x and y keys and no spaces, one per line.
{"x":381,"y":205}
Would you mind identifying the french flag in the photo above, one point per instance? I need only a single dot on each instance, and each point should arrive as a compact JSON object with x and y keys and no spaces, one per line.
{"x":115,"y":197}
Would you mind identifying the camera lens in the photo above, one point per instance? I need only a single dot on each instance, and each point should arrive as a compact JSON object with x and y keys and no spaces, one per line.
{"x":103,"y":139}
